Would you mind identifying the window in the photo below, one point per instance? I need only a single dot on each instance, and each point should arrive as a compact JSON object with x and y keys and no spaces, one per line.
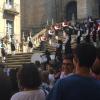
{"x":9,"y":2}
{"x":9,"y":27}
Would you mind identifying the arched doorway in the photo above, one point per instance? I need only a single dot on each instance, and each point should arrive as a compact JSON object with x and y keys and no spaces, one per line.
{"x":71,"y":10}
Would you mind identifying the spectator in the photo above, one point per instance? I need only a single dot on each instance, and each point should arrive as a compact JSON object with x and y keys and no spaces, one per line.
{"x":67,"y":66}
{"x":45,"y":81}
{"x":13,"y":78}
{"x":68,"y":49}
{"x":29,"y":82}
{"x":50,"y":34}
{"x":79,"y":86}
{"x":43,"y":43}
{"x":51,"y":77}
{"x":5,"y":86}
{"x":17,"y":46}
{"x":58,"y":54}
{"x":3,"y":51}
{"x":13,"y":48}
{"x":50,"y":69}
{"x":57,"y":28}
{"x":30,"y":46}
{"x":38,"y":64}
{"x":47,"y":54}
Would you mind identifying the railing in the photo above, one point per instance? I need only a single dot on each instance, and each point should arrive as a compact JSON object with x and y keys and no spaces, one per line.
{"x":36,"y":38}
{"x":10,"y":7}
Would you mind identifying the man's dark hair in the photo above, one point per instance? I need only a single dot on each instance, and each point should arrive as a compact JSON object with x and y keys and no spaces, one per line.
{"x":86,"y":54}
{"x":29,"y":76}
{"x":68,"y":56}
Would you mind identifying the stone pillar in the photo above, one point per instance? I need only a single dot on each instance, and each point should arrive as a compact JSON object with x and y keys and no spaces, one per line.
{"x":81,"y":9}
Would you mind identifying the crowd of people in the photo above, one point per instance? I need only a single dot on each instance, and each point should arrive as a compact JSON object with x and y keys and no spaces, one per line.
{"x":74,"y":74}
{"x":76,"y":77}
{"x":87,"y":30}
{"x":14,"y":46}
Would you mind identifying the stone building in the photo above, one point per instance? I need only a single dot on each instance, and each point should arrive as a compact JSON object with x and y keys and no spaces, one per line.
{"x":10,"y":19}
{"x":39,"y":13}
{"x":24,"y":16}
{"x":81,"y":8}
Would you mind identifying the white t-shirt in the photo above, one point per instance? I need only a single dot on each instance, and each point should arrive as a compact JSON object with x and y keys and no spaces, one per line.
{"x":50,"y":32}
{"x":51,"y":80}
{"x":29,"y":95}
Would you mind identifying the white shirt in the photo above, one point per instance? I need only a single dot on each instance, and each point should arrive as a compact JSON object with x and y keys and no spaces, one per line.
{"x":62,"y":75}
{"x":51,"y":80}
{"x":29,"y":95}
{"x":43,"y":38}
{"x":50,"y":32}
{"x":56,"y":27}
{"x":63,"y":24}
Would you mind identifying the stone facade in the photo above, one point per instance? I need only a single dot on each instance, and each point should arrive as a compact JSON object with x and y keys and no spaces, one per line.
{"x":39,"y":13}
{"x":36,"y":13}
{"x":10,"y":18}
{"x":32,"y":13}
{"x":87,"y":8}
{"x":42,"y":12}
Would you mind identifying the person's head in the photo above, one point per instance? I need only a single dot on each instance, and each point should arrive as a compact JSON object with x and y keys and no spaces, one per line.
{"x":49,"y":66}
{"x":37,"y":63}
{"x":85,"y":55}
{"x":44,"y":77}
{"x":59,"y":41}
{"x":67,"y":65}
{"x":29,"y":76}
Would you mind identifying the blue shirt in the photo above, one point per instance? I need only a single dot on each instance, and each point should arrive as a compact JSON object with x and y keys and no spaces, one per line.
{"x":75,"y":87}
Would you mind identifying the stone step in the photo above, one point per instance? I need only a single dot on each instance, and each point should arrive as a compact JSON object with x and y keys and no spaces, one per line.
{"x":18,"y":60}
{"x":13,"y":66}
{"x":22,"y":53}
{"x":51,"y":49}
{"x":16,"y":55}
{"x":17,"y":63}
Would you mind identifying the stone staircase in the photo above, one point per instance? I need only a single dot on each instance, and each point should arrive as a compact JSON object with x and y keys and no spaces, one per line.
{"x":50,"y":47}
{"x":60,"y":37}
{"x":14,"y":61}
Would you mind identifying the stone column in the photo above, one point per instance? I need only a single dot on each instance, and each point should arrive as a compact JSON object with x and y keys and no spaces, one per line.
{"x":81,"y":9}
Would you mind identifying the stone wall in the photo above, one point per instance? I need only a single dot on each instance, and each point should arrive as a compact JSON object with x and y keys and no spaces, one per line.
{"x":2,"y":21}
{"x":33,"y":13}
{"x":85,"y":8}
{"x":39,"y":12}
{"x":9,"y":16}
{"x":17,"y":22}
